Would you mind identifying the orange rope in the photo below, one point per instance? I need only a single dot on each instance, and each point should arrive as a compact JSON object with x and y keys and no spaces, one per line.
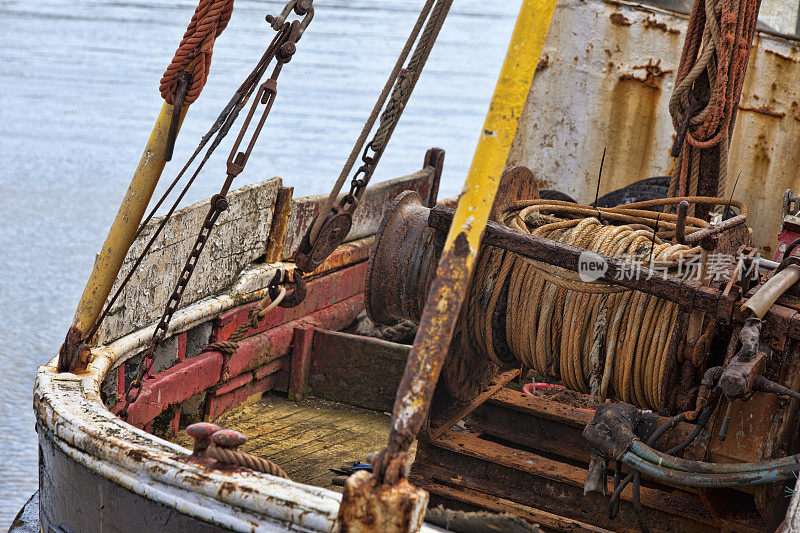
{"x":208,"y":21}
{"x":715,"y":53}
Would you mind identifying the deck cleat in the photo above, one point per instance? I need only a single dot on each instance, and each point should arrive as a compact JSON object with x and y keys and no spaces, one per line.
{"x":228,"y":438}
{"x":201,"y":432}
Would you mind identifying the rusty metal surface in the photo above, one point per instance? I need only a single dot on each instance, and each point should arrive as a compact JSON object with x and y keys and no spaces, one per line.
{"x":369,"y":505}
{"x":402,"y":262}
{"x":463,"y":459}
{"x":615,"y":83}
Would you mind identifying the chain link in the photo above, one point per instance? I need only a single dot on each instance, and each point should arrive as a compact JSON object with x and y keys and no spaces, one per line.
{"x":283,"y":48}
{"x":400,"y":94}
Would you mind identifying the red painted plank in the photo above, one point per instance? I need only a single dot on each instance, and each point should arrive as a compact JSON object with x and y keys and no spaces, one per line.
{"x":322,"y":292}
{"x":198,"y":373}
{"x":174,"y":385}
{"x":176,"y":421}
{"x":302,"y":344}
{"x":265,"y":347}
{"x":217,"y":405}
{"x":239,"y":381}
{"x":279,"y":365}
{"x":182,"y":338}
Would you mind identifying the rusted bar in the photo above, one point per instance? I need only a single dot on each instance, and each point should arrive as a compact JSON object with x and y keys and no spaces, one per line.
{"x":680,"y":223}
{"x":697,"y":236}
{"x":686,"y":293}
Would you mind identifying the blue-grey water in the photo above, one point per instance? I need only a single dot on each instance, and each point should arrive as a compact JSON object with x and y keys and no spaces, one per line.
{"x":78,"y":97}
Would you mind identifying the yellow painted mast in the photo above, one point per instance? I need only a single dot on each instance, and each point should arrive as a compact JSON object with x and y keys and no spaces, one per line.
{"x":387,"y":494}
{"x":118,"y":242}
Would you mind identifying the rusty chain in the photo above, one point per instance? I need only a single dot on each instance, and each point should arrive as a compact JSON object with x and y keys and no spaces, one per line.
{"x":331,"y":226}
{"x":282,"y":48}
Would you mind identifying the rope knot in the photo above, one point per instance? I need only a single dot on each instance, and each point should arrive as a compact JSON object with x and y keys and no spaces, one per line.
{"x":223,"y":347}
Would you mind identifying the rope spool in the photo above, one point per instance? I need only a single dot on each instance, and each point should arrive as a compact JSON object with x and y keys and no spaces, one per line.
{"x":596,"y":338}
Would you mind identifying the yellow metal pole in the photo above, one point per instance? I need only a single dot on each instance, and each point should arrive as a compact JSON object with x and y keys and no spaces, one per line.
{"x":500,"y":125}
{"x":469,"y":221}
{"x":387,"y":498}
{"x":120,"y":237}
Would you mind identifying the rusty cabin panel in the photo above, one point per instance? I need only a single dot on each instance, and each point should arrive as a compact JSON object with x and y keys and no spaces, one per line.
{"x":610,"y":88}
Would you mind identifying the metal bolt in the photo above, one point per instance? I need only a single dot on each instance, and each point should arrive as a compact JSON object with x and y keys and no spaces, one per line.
{"x":201,"y":433}
{"x":228,"y":438}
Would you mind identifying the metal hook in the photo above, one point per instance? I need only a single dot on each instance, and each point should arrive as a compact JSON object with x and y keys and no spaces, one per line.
{"x":302,"y":8}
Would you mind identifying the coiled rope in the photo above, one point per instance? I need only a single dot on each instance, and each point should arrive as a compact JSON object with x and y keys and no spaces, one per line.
{"x":596,"y":338}
{"x":208,"y":21}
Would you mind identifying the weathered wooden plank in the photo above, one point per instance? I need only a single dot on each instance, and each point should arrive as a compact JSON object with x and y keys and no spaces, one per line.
{"x":340,"y":360}
{"x":240,"y":236}
{"x":198,"y":373}
{"x":280,"y":220}
{"x":322,"y":292}
{"x":376,"y":200}
{"x":308,"y":438}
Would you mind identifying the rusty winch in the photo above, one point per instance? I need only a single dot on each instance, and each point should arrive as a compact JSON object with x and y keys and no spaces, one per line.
{"x":633,"y":332}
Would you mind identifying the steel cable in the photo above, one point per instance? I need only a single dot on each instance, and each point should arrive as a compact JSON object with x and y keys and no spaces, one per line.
{"x":596,"y":338}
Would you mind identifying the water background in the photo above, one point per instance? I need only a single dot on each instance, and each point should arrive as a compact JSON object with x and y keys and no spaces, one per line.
{"x":78,"y":97}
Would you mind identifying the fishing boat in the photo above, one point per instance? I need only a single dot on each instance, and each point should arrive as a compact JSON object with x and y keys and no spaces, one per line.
{"x":574,"y":343}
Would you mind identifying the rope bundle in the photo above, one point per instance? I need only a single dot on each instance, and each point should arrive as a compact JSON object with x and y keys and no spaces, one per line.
{"x":707,"y":87}
{"x":595,"y":337}
{"x":208,"y":21}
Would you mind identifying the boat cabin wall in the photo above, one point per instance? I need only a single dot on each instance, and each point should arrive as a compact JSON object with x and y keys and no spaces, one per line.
{"x":604,"y":80}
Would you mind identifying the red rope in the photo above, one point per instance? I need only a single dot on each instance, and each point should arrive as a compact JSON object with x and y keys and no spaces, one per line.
{"x":208,"y":21}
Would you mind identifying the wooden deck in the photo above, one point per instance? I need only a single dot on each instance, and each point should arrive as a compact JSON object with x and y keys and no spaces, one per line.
{"x":306,"y":438}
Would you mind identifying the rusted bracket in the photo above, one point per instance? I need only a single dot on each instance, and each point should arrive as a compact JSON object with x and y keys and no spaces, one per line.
{"x":435,"y":428}
{"x":715,"y":229}
{"x":177,"y":106}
